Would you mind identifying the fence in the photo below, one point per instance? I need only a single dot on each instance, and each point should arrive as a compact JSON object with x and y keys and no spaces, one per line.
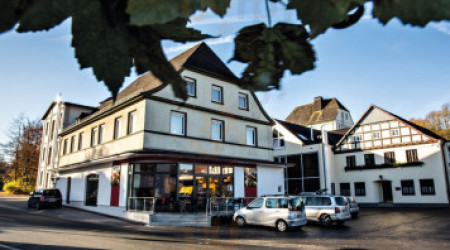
{"x":226,"y":206}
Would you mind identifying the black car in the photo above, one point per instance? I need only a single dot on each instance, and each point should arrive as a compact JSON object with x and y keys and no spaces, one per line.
{"x":45,"y":198}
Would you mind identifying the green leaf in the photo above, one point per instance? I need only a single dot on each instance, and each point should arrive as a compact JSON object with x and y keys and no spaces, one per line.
{"x":271,"y":51}
{"x":148,"y":55}
{"x":11,"y":11}
{"x":147,"y":12}
{"x":177,"y":31}
{"x":45,"y":14}
{"x":99,"y":45}
{"x":321,"y":14}
{"x":414,"y":12}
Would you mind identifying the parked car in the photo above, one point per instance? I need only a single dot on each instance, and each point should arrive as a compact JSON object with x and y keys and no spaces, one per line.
{"x":327,"y":209}
{"x":354,"y":208}
{"x":45,"y":198}
{"x":280,"y":212}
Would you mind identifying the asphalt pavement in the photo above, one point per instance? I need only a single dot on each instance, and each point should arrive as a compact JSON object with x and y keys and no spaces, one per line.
{"x":67,"y":228}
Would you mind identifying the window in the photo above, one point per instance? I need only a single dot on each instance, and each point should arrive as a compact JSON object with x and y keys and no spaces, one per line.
{"x":93,"y":136}
{"x":65,"y":145}
{"x":376,"y":135}
{"x":342,"y":116}
{"x":191,"y":88}
{"x":46,"y":128}
{"x":411,"y":156}
{"x":53,"y":130}
{"x":49,"y":157}
{"x":408,"y":187}
{"x":101,"y":134}
{"x":358,"y":138}
{"x":389,"y":157}
{"x":117,"y":127}
{"x":427,"y":187}
{"x":72,"y":144}
{"x":351,"y":161}
{"x":278,"y":140}
{"x":80,"y":141}
{"x":272,"y":203}
{"x":216,"y":94}
{"x":131,"y":122}
{"x":360,"y":189}
{"x":395,"y":132}
{"x":345,"y":189}
{"x":43,"y":155}
{"x":243,"y":101}
{"x":346,"y":116}
{"x":256,"y":203}
{"x":369,"y":159}
{"x":250,"y":134}
{"x":217,"y":133}
{"x":178,"y":123}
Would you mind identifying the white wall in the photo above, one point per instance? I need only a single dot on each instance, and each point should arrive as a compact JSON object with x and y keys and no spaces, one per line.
{"x":239,"y":182}
{"x":269,"y":179}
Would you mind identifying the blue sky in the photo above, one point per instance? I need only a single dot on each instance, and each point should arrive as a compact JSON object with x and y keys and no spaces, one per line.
{"x":403,"y":69}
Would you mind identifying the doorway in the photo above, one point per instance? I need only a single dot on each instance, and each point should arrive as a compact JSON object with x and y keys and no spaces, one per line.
{"x":386,"y":191}
{"x":69,"y":184}
{"x":91,"y":189}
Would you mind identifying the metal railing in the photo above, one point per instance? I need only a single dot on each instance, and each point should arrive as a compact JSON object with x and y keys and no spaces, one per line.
{"x":141,"y":204}
{"x":226,"y":206}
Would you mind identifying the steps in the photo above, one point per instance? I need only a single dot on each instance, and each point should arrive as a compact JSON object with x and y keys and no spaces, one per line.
{"x":180,"y":219}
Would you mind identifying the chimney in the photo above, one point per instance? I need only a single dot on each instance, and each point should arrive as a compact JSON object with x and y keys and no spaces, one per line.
{"x":318,"y":103}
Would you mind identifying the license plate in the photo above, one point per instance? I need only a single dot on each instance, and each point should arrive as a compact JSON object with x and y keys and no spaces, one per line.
{"x":52,"y":200}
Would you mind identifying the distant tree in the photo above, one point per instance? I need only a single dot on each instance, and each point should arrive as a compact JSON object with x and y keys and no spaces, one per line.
{"x":437,"y":121}
{"x":23,"y":150}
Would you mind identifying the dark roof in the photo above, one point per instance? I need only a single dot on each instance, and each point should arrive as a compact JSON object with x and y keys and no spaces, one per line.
{"x":67,"y":104}
{"x":198,"y":58}
{"x":335,"y":135}
{"x":303,"y":133}
{"x":413,"y":125}
{"x":321,"y":110}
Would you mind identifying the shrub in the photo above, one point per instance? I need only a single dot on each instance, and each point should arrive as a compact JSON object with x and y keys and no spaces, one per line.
{"x":17,"y":187}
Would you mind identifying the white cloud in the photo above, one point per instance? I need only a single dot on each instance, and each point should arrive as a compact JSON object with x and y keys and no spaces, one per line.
{"x":220,"y":40}
{"x":443,"y":27}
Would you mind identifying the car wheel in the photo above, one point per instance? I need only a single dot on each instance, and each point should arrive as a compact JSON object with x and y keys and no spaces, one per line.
{"x":325,"y":220}
{"x":38,"y":206}
{"x":29,"y":205}
{"x":282,"y":226}
{"x":240,"y":221}
{"x":341,"y":222}
{"x":59,"y":205}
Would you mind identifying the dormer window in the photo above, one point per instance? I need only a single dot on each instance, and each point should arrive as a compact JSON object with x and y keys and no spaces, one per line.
{"x":243,"y":101}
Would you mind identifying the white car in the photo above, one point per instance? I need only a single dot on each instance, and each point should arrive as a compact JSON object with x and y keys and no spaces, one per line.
{"x":274,"y":211}
{"x":327,"y":209}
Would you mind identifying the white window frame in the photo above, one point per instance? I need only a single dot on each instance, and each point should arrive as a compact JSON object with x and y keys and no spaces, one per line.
{"x":277,"y":140}
{"x":183,"y":123}
{"x":80,"y":140}
{"x":101,"y":133}
{"x":132,"y":117}
{"x":117,"y":127}
{"x":221,"y":130}
{"x":192,"y":92}
{"x":395,"y":132}
{"x":376,"y":133}
{"x":247,"y":140}
{"x":220,"y":90}
{"x":94,"y":138}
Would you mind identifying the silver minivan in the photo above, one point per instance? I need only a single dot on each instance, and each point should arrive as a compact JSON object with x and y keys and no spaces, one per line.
{"x":275,"y":211}
{"x":327,"y":209}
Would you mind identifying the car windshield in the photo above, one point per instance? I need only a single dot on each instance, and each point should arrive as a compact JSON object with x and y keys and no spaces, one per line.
{"x":340,"y":201}
{"x":50,"y":192}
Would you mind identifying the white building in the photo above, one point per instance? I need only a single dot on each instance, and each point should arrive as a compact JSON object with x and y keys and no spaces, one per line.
{"x":384,"y":158}
{"x":150,"y":145}
{"x":57,"y":117}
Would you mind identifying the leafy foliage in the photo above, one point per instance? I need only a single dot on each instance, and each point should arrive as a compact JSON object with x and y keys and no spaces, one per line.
{"x":320,"y":15}
{"x":271,"y":51}
{"x":415,"y":12}
{"x":111,"y":36}
{"x":436,"y":121}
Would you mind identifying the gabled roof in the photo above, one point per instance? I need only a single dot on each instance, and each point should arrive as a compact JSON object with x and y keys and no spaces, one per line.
{"x":408,"y":123}
{"x":199,"y":58}
{"x":302,"y":133}
{"x":321,"y":110}
{"x":67,"y":104}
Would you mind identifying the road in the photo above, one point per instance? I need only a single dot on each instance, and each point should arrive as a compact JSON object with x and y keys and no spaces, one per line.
{"x":67,"y":228}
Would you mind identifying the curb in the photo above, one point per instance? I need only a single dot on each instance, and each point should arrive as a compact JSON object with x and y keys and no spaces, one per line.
{"x":106,"y":215}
